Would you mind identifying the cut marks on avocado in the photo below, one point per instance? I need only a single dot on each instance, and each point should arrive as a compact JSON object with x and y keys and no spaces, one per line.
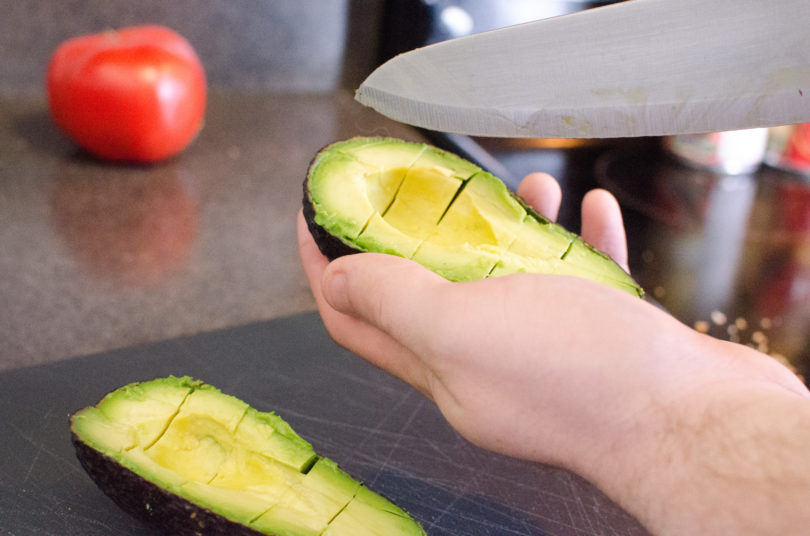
{"x":432,"y":193}
{"x":419,"y":202}
{"x":188,"y":425}
{"x":214,"y":463}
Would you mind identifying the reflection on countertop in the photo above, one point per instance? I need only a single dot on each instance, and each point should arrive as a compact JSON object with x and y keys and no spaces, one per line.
{"x":133,"y":227}
{"x":97,"y":256}
{"x":726,"y":254}
{"x":729,"y":255}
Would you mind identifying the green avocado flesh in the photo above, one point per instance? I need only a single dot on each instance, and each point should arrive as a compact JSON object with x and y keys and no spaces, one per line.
{"x":196,"y":461}
{"x":416,"y":201}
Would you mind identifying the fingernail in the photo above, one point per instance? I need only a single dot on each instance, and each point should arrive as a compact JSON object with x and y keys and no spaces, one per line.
{"x":337,"y":292}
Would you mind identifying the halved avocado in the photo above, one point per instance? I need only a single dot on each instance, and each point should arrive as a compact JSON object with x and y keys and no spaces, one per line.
{"x":416,"y":201}
{"x":192,"y":460}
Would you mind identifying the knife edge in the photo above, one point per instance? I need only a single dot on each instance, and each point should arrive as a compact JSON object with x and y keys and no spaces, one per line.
{"x":721,"y":75}
{"x":616,"y":121}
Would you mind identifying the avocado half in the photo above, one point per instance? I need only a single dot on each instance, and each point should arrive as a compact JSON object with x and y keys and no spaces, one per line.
{"x":192,"y":460}
{"x":416,"y":201}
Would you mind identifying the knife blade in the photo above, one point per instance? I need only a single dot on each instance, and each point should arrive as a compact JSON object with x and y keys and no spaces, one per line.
{"x":636,"y":68}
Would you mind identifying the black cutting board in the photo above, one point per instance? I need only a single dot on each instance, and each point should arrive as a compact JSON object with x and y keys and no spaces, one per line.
{"x":375,"y":427}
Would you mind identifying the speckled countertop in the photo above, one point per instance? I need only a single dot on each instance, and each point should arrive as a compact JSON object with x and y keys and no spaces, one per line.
{"x":96,"y":256}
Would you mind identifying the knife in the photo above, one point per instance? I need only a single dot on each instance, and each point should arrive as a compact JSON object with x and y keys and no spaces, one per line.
{"x":635,"y":68}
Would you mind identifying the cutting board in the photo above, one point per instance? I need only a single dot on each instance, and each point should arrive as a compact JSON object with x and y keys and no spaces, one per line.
{"x":376,"y":427}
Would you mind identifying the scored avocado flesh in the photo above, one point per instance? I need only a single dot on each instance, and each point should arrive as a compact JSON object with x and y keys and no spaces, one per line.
{"x":215,"y":452}
{"x":419,"y":202}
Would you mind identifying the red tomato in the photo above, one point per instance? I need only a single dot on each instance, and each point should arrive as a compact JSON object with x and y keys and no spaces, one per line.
{"x":136,"y":94}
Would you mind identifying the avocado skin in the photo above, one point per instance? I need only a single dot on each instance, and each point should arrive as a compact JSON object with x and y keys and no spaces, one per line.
{"x":123,"y":420}
{"x":331,"y":246}
{"x":150,"y":503}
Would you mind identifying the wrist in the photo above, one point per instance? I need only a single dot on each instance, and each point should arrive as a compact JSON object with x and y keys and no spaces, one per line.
{"x":725,"y":456}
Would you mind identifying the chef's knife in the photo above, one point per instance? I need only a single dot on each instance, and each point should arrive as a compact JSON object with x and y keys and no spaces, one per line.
{"x":636,"y":68}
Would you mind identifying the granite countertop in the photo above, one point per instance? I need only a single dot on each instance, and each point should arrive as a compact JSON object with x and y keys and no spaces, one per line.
{"x":99,"y":259}
{"x":98,"y":256}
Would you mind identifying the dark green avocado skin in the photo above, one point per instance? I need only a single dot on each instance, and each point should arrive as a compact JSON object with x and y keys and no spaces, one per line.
{"x":150,"y":503}
{"x":331,"y":246}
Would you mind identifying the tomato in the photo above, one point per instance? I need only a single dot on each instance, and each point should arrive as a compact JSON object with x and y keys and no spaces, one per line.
{"x":136,"y":94}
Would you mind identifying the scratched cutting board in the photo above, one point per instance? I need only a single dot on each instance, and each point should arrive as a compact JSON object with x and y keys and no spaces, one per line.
{"x":376,"y":427}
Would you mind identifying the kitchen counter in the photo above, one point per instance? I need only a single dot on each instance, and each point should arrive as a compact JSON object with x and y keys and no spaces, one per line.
{"x":173,"y":268}
{"x":113,"y":274}
{"x":726,"y":254}
{"x":97,"y":256}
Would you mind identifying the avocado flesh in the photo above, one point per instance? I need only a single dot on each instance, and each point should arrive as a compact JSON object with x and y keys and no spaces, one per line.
{"x":428,"y":205}
{"x":368,"y":515}
{"x":426,"y":192}
{"x":474,"y":232}
{"x":212,"y":458}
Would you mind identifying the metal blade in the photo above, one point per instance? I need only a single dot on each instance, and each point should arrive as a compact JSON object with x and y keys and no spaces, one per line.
{"x":638,"y":68}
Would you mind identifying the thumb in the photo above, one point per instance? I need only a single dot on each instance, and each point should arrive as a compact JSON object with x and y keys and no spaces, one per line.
{"x":389,"y":292}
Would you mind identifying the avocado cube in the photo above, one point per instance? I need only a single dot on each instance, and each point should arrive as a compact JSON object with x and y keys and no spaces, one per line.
{"x":274,"y":439}
{"x":370,"y":514}
{"x":458,"y":262}
{"x":343,"y":206}
{"x":380,"y":236}
{"x":445,"y":163}
{"x":109,"y":435}
{"x":379,"y":153}
{"x":422,"y":198}
{"x":148,"y":411}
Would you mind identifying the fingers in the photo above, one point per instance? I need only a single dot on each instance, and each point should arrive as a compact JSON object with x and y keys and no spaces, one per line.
{"x":352,"y":331}
{"x":311,"y":257}
{"x":602,"y":225}
{"x":543,"y":193}
{"x":391,"y":293}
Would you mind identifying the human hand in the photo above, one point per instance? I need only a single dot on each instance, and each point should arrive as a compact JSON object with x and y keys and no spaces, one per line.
{"x":548,"y":368}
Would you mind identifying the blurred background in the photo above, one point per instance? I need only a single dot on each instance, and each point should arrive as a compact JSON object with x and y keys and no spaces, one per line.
{"x":199,"y":252}
{"x":94,"y":256}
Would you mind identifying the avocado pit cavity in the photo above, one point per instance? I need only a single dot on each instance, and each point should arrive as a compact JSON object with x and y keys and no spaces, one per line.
{"x":182,"y":454}
{"x":419,"y":202}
